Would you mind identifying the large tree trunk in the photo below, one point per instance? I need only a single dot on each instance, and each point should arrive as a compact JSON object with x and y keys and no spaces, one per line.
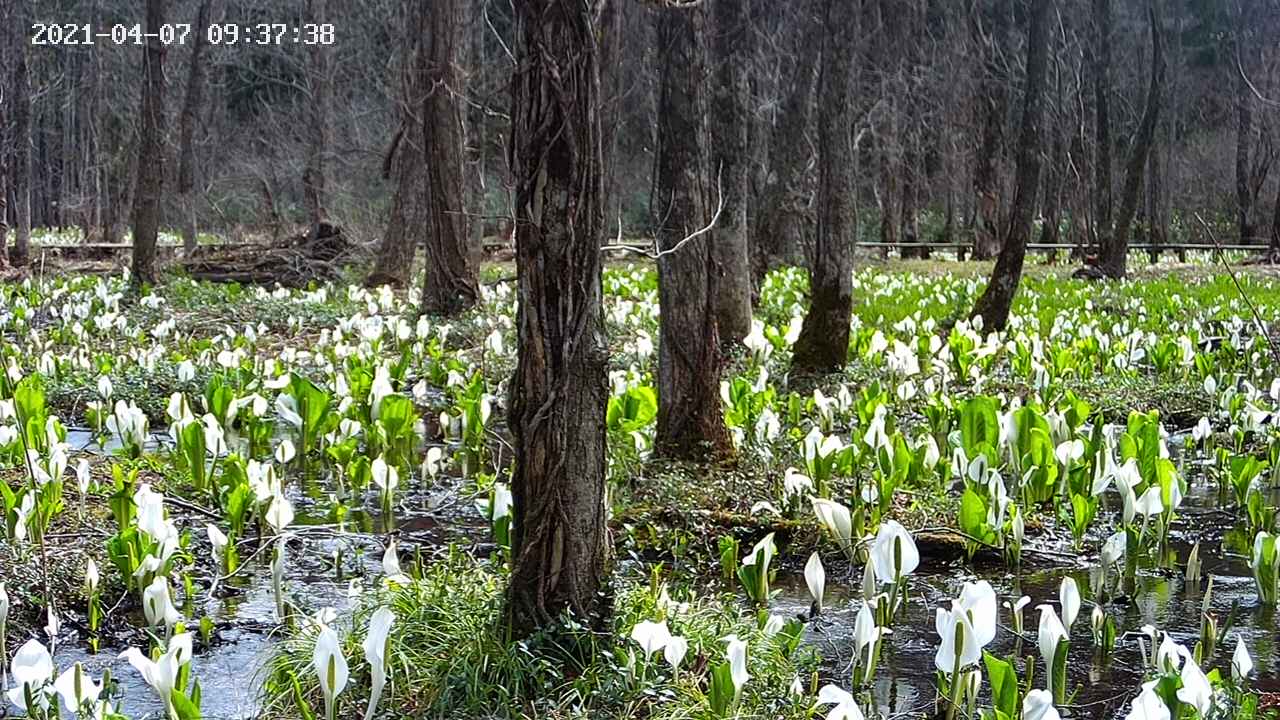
{"x":474,"y":58}
{"x":1158,"y":221}
{"x":146,"y":204}
{"x":406,"y":219}
{"x":783,"y":217}
{"x":21,"y":139}
{"x":314,"y":175}
{"x":823,"y":345}
{"x":912,"y":132}
{"x":1050,"y":230}
{"x":450,"y":284}
{"x":1102,"y":199}
{"x":1245,"y":195}
{"x":690,"y":421}
{"x":994,"y":305}
{"x":1115,"y":249}
{"x":191,"y":107}
{"x":993,"y":104}
{"x":560,"y":388}
{"x":731,"y":162}
{"x":403,"y":162}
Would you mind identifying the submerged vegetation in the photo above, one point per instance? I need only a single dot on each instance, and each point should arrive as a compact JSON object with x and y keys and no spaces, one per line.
{"x":328,"y":474}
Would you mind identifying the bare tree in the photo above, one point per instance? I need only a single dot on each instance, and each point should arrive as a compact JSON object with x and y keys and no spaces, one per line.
{"x":1255,"y":151}
{"x":450,"y":284}
{"x":690,"y":421}
{"x":991,"y":29}
{"x":994,"y":304}
{"x":403,"y":162}
{"x":560,"y":388}
{"x":146,"y":204}
{"x":1103,"y":27}
{"x":823,"y":345}
{"x":21,"y":138}
{"x":192,"y":106}
{"x":783,"y":213}
{"x":1115,"y":247}
{"x":730,"y":246}
{"x":314,"y":176}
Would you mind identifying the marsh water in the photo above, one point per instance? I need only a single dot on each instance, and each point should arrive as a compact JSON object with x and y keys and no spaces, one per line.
{"x":322,"y":562}
{"x":1160,"y":596}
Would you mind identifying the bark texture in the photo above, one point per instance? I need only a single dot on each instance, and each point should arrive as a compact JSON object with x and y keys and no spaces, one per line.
{"x":314,"y":175}
{"x":1115,"y":248}
{"x":783,"y":216}
{"x":150,"y":183}
{"x":730,"y":246}
{"x":823,"y":345}
{"x":21,"y":139}
{"x":191,"y":108}
{"x":992,"y":32}
{"x":450,"y":284}
{"x":560,"y":389}
{"x":690,"y":421}
{"x":994,"y":304}
{"x":1102,"y":192}
{"x":403,"y":164}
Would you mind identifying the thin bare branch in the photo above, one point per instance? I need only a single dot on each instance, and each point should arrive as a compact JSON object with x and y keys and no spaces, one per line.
{"x":657,"y":255}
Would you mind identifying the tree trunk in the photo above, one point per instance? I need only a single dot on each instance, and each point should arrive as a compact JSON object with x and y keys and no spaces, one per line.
{"x":1244,"y":136}
{"x":560,"y":388}
{"x":823,"y":345}
{"x":1273,"y":252}
{"x":146,"y":202}
{"x":21,"y":141}
{"x":1274,"y":249}
{"x":191,"y":108}
{"x":1157,"y":232}
{"x":993,"y":101}
{"x":403,"y":162}
{"x":690,"y":421}
{"x":1102,"y":200}
{"x":783,"y":216}
{"x":450,"y":284}
{"x":996,"y":301}
{"x":394,"y":263}
{"x":4,"y":192}
{"x":1115,"y":250}
{"x":1050,"y":230}
{"x":731,"y":162}
{"x":6,"y":21}
{"x":314,"y":175}
{"x":474,"y":31}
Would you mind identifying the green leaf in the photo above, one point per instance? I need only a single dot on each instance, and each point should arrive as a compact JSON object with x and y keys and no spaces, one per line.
{"x":1004,"y":684}
{"x":304,"y":708}
{"x":980,"y":426}
{"x":973,"y":517}
{"x":186,"y":709}
{"x":1059,"y":671}
{"x":721,"y":696}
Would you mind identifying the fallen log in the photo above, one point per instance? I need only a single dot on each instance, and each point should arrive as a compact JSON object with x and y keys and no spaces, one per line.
{"x":302,"y":260}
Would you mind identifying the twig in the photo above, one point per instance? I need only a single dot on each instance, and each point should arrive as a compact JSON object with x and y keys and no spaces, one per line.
{"x":1244,"y":76}
{"x":187,"y":505}
{"x":674,"y":248}
{"x":1257,"y":317}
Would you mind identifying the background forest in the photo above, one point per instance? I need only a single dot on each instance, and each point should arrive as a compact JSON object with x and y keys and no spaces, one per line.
{"x":934,"y":111}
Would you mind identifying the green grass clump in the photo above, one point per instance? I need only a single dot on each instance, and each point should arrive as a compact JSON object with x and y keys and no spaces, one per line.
{"x":449,"y":657}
